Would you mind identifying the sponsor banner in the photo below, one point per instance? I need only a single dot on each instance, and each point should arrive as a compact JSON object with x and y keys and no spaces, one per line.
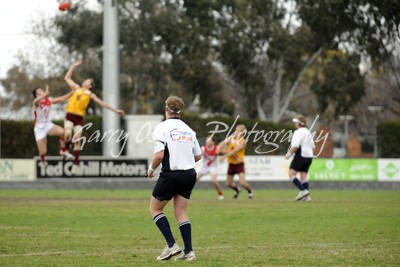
{"x":344,"y":170}
{"x":257,"y":168}
{"x":92,"y":167}
{"x":17,"y":170}
{"x":389,"y":169}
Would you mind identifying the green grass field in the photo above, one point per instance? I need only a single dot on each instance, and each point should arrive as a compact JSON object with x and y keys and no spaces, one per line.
{"x":114,"y":228}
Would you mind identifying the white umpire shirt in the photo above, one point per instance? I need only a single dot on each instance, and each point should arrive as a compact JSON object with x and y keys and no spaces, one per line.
{"x":179,"y":143}
{"x":303,"y":139}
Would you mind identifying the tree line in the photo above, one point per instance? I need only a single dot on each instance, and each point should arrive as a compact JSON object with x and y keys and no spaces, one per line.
{"x":255,"y":58}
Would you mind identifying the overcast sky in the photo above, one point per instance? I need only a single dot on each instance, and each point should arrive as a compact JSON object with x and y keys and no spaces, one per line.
{"x":15,"y":20}
{"x":16,"y":17}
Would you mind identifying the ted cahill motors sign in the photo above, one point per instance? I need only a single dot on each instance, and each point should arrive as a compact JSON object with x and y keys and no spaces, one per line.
{"x":92,"y":167}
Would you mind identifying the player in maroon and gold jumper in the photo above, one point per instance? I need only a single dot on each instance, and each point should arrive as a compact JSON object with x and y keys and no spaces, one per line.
{"x":76,"y":110}
{"x":236,"y":148}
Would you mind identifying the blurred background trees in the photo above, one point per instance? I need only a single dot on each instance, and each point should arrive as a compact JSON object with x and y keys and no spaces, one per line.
{"x":262,"y":59}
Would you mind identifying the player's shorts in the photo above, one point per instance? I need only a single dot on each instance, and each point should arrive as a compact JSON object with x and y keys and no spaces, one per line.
{"x":235,"y":168}
{"x":41,"y":130}
{"x":300,"y":164}
{"x":208,"y":169}
{"x":174,"y":183}
{"x":75,"y":119}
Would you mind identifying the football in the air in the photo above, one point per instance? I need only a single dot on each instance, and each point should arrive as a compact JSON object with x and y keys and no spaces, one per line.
{"x":64,"y":6}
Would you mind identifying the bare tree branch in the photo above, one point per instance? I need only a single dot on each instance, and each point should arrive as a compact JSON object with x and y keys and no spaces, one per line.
{"x":296,"y":83}
{"x":276,"y":96}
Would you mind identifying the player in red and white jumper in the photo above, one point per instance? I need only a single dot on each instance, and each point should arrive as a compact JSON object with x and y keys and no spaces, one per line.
{"x":43,"y":126}
{"x":209,"y":163}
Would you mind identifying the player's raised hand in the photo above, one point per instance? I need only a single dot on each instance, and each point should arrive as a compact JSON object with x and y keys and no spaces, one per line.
{"x":47,"y":90}
{"x":121,"y":112}
{"x":77,"y":63}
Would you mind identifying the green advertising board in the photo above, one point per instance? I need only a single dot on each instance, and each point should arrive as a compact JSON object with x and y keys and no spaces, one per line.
{"x":344,"y":170}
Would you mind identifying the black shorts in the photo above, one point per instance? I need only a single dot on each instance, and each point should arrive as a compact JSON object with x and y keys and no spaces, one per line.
{"x":174,"y":183}
{"x":235,"y":168}
{"x":301,"y":164}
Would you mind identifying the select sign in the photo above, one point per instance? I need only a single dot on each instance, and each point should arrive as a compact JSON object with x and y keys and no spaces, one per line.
{"x":90,"y":167}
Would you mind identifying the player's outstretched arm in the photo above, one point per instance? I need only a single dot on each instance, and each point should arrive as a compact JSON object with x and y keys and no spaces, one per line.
{"x":221,"y":148}
{"x":106,"y":105}
{"x":39,"y":98}
{"x":241,"y":146}
{"x":68,"y":76}
{"x":236,"y":149}
{"x":62,"y":98}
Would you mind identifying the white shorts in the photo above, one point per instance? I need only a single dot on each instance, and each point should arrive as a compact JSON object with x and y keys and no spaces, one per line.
{"x":204,"y":170}
{"x":41,"y":130}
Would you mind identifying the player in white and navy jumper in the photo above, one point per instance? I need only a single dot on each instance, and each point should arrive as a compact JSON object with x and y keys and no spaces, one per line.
{"x":302,"y":147}
{"x":177,"y":149}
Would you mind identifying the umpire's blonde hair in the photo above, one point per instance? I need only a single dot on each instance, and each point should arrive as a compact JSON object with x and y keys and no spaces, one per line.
{"x":175,"y":105}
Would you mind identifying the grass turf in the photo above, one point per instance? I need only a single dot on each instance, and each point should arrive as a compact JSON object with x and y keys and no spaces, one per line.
{"x":114,"y":228}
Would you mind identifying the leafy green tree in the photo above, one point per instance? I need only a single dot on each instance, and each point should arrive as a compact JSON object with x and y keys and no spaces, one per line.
{"x":366,"y":30}
{"x":187,"y":32}
{"x":341,"y":85}
{"x":268,"y":47}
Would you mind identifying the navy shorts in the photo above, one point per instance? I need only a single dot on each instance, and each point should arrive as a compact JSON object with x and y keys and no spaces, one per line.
{"x":300,"y":164}
{"x":174,"y":183}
